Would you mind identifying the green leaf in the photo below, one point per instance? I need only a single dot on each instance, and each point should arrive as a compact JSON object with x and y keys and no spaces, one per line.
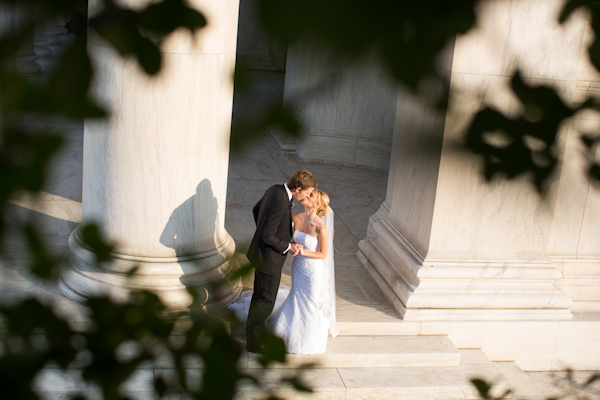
{"x":138,"y":33}
{"x":43,"y":265}
{"x":274,"y":117}
{"x":406,"y":36}
{"x":29,"y":317}
{"x":12,"y":41}
{"x":221,"y":361}
{"x":23,"y":159}
{"x":119,"y":27}
{"x":92,"y":238}
{"x":69,"y":83}
{"x":273,"y":349}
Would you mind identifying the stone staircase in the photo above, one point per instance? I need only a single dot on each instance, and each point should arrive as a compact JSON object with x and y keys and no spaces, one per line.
{"x":377,"y":358}
{"x":356,"y":365}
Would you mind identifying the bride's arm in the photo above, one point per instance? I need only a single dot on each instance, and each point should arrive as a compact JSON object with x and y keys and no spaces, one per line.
{"x":323,"y":244}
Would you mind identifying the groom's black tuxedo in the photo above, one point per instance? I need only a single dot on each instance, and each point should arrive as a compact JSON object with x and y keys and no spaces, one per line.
{"x":273,"y":217}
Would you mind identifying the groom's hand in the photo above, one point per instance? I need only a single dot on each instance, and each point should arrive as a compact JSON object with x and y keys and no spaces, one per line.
{"x":295,"y":249}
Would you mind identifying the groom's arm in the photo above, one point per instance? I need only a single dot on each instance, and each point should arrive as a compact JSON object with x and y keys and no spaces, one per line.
{"x":275,"y":213}
{"x":255,"y":211}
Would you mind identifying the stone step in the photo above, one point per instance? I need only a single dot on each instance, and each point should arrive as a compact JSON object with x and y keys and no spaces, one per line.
{"x":330,"y":383}
{"x":378,"y":352}
{"x":365,"y":320}
{"x":342,"y":352}
{"x":522,"y":384}
{"x":380,"y":320}
{"x":387,"y":383}
{"x":473,"y":356}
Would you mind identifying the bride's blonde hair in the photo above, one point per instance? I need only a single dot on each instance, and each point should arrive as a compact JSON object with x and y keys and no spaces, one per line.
{"x":321,"y":201}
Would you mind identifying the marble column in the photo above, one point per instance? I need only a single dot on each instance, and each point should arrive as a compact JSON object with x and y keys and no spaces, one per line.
{"x":7,"y":21}
{"x":25,"y":58}
{"x":41,"y":44}
{"x":61,"y":30}
{"x":52,"y":32}
{"x":255,"y":48}
{"x":7,"y":17}
{"x":347,"y":112}
{"x":446,"y":245}
{"x":155,"y":173}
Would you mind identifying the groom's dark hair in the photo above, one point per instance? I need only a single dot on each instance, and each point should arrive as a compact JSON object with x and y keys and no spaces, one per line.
{"x":301,"y":179}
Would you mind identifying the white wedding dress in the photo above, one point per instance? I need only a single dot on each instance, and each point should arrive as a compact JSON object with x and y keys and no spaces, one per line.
{"x":305,"y":314}
{"x":301,"y":321}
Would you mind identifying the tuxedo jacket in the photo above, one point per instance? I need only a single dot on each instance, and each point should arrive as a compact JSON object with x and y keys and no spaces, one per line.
{"x":273,"y":217}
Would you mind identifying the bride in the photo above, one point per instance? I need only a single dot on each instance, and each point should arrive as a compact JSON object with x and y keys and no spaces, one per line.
{"x":304,"y":315}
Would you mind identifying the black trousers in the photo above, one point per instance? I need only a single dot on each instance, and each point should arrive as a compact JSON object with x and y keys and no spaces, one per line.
{"x":261,"y":306}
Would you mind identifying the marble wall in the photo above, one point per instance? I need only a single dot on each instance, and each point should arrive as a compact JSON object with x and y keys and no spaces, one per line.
{"x":347,"y":113}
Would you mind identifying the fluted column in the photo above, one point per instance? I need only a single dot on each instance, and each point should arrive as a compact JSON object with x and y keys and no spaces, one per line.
{"x":25,"y":58}
{"x":155,"y":173}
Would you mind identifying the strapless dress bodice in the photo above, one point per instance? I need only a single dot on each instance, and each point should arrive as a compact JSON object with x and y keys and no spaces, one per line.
{"x":310,"y":243}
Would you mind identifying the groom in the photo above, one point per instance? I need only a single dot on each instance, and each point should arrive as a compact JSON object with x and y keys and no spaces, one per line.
{"x":269,"y":247}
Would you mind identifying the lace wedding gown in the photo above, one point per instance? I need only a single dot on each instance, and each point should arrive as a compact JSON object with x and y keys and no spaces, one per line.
{"x":301,"y":321}
{"x":303,"y":315}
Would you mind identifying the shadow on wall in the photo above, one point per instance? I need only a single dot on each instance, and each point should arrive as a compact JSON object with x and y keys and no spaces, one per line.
{"x":204,"y":252}
{"x":192,"y":227}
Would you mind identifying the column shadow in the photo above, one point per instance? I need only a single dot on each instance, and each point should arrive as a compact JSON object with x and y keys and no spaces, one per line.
{"x":204,"y":252}
{"x":193,"y":224}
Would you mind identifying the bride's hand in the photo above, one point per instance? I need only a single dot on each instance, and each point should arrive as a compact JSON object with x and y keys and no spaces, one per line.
{"x":301,"y":251}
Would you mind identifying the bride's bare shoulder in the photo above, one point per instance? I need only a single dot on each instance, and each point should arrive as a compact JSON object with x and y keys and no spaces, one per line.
{"x":320,"y":225}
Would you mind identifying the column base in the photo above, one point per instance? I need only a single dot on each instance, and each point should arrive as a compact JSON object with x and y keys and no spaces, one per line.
{"x":26,"y":65}
{"x":422,"y":289}
{"x":53,"y":39}
{"x":42,"y":49}
{"x":208,"y":274}
{"x":580,"y":277}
